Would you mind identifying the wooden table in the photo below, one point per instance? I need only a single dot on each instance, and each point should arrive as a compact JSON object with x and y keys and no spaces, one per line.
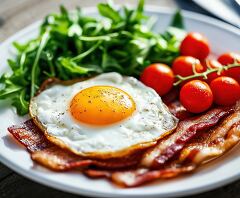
{"x":15,"y":15}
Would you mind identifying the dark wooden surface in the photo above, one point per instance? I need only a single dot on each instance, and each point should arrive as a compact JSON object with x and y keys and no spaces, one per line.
{"x":15,"y":15}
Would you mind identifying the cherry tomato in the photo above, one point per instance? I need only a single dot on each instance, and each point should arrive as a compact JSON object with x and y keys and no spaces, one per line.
{"x":226,"y":90}
{"x":196,"y":96}
{"x":196,"y":45}
{"x":159,"y":77}
{"x":214,"y":64}
{"x":183,"y":66}
{"x":229,"y":58}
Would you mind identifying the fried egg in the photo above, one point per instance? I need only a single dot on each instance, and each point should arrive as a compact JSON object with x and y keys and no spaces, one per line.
{"x":107,"y":116}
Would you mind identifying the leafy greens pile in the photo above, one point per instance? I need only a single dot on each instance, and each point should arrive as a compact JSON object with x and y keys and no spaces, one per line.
{"x":72,"y":45}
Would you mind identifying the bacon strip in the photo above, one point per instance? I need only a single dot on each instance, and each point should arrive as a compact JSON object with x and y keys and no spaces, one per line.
{"x":176,"y":108}
{"x":219,"y":140}
{"x":171,"y":96}
{"x":44,"y":152}
{"x":141,"y":175}
{"x":186,"y":130}
{"x":133,"y":178}
{"x":214,"y":143}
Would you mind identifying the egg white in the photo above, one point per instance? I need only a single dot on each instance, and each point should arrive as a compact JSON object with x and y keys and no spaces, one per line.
{"x":150,"y":121}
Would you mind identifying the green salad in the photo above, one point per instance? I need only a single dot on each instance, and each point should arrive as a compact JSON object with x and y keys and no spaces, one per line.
{"x":72,"y":45}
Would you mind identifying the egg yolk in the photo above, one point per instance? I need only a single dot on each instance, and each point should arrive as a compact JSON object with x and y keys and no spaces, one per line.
{"x":101,"y":105}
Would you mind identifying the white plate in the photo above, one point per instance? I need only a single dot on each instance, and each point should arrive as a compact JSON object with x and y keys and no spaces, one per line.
{"x":222,"y":37}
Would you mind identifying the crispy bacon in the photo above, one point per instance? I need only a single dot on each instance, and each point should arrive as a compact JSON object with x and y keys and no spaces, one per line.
{"x":218,"y":141}
{"x":215,"y":143}
{"x":176,"y":108}
{"x":132,"y":178}
{"x":195,"y":141}
{"x":186,"y":130}
{"x":171,"y":96}
{"x":141,"y":175}
{"x":44,"y":152}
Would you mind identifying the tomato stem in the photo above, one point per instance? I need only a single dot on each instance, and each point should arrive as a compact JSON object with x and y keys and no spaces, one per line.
{"x":204,"y":74}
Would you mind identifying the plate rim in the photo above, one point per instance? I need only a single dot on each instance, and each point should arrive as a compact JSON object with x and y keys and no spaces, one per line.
{"x":36,"y":176}
{"x":209,"y":9}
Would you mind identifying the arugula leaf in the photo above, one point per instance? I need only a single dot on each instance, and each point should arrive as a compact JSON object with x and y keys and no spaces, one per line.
{"x":71,"y":67}
{"x":9,"y":90}
{"x":179,"y":34}
{"x":109,"y":63}
{"x":107,"y":11}
{"x":177,"y":20}
{"x":137,"y":14}
{"x":21,"y":103}
{"x":34,"y":73}
{"x":86,"y":53}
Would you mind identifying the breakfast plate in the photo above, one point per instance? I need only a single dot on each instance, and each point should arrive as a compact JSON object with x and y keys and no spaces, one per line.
{"x":222,"y":38}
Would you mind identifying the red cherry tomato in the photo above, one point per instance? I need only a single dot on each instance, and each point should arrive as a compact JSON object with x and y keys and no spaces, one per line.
{"x":229,"y":58}
{"x":226,"y":90}
{"x":214,"y":64}
{"x":183,"y":66}
{"x":159,"y":77}
{"x":196,"y":96}
{"x":196,"y":45}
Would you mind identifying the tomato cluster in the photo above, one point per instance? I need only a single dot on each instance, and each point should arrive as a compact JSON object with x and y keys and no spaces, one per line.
{"x":198,"y":94}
